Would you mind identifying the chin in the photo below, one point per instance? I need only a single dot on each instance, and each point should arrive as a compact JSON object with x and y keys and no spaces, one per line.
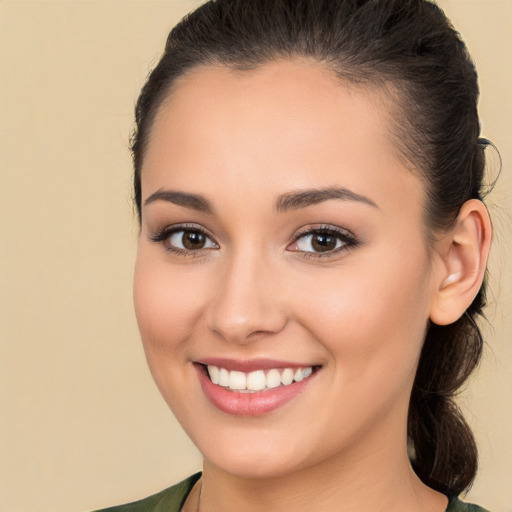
{"x":252,"y":466}
{"x":256,"y":455}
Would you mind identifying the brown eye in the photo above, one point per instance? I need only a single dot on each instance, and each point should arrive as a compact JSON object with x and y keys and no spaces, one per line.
{"x":190,"y":240}
{"x":323,"y":243}
{"x":319,"y":241}
{"x":193,"y":240}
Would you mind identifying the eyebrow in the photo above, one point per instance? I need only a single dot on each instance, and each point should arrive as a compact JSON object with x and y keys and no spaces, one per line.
{"x":286,"y":202}
{"x":192,"y":201}
{"x":305,"y":198}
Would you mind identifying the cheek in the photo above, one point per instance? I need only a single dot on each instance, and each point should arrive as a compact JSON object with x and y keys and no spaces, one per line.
{"x":371,"y":318}
{"x":168,"y":307}
{"x":167,"y":303}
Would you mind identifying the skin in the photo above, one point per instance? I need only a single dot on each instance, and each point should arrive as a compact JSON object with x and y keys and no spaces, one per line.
{"x":241,"y":140}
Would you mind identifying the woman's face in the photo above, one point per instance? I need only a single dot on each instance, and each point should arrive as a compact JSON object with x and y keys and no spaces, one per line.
{"x":281,"y":236}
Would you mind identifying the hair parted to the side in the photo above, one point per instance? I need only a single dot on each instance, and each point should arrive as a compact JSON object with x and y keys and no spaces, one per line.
{"x":405,"y":46}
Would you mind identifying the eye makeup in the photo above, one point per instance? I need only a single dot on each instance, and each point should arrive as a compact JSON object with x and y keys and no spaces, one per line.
{"x":323,"y":241}
{"x":311,"y":242}
{"x":185,"y":239}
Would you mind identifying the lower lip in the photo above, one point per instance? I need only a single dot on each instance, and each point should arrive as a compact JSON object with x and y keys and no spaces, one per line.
{"x":249,"y":404}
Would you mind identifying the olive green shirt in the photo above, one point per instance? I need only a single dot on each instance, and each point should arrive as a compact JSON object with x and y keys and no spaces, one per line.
{"x":173,"y":498}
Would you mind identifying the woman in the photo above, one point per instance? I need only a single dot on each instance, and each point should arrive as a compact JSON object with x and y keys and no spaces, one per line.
{"x":313,"y":244}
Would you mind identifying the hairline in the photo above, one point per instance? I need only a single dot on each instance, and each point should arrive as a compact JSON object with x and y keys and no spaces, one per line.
{"x":391,"y":93}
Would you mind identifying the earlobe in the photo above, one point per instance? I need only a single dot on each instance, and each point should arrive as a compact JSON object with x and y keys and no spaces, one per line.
{"x":463,"y":255}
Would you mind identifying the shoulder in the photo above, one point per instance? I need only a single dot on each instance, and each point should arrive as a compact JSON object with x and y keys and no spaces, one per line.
{"x":456,"y":505}
{"x":168,"y":500}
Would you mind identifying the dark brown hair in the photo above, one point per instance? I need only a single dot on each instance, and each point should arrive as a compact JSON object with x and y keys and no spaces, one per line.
{"x":404,"y":46}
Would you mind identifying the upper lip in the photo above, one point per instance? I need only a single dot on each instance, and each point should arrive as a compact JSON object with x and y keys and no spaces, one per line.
{"x":250,"y":365}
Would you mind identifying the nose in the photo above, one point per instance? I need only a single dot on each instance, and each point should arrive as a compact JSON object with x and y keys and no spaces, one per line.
{"x":246,"y":301}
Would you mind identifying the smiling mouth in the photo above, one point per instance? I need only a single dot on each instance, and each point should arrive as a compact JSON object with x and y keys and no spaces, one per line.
{"x":258,"y":380}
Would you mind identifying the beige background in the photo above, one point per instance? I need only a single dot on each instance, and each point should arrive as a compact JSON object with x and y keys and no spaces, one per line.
{"x":82,"y":424}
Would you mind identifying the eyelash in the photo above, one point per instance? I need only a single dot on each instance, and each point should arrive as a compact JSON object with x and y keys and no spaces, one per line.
{"x":166,"y":233}
{"x":347,"y":239}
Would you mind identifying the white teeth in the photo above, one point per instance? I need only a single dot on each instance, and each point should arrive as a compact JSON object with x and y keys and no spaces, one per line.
{"x":223,"y":377}
{"x":214,"y":374}
{"x":299,"y":375}
{"x":273,"y":378}
{"x":287,"y":377}
{"x":257,"y":380}
{"x":237,"y":380}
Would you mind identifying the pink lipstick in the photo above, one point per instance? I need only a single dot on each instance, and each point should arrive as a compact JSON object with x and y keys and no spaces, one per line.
{"x":252,"y":387}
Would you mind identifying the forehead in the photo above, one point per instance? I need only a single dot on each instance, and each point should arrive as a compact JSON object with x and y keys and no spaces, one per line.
{"x":301,"y":96}
{"x":292,"y":124}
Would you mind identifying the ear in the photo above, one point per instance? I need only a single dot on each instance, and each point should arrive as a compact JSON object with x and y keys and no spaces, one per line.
{"x":462,"y":257}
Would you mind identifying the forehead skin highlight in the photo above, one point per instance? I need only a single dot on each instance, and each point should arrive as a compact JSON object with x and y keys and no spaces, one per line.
{"x":197,"y":80}
{"x":285,"y":93}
